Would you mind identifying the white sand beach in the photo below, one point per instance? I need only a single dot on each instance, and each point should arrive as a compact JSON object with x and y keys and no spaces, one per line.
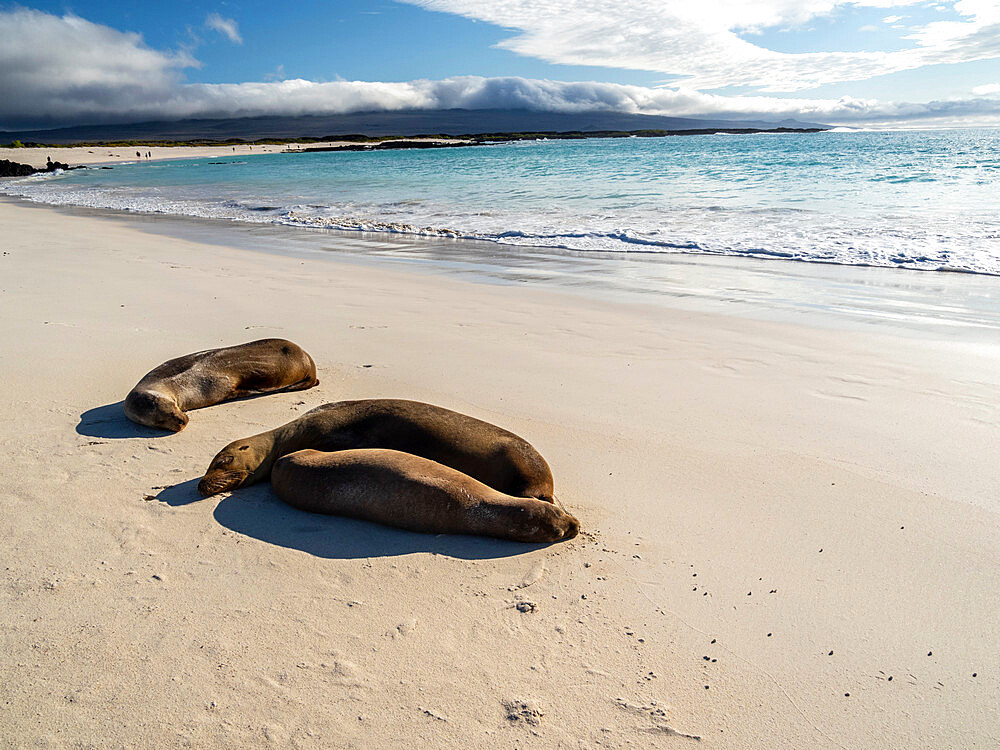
{"x":790,"y":533}
{"x":76,"y":156}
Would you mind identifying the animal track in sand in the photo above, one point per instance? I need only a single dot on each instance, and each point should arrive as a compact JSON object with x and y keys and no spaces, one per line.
{"x":658,"y":715}
{"x":344,"y":673}
{"x":275,"y":734}
{"x":404,"y":628}
{"x":534,"y":575}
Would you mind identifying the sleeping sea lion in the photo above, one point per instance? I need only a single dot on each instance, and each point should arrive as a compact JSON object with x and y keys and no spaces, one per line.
{"x":485,"y":452}
{"x":214,"y":375}
{"x":414,"y":493}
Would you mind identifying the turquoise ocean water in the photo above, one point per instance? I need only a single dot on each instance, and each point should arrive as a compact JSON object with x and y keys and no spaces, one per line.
{"x":927,"y":200}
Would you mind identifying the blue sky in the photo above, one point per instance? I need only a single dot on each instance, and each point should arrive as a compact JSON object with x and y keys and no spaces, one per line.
{"x":322,"y":41}
{"x":849,"y":61}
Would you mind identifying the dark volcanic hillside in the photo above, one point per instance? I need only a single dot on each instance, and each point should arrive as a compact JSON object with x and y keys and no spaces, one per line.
{"x":450,"y":121}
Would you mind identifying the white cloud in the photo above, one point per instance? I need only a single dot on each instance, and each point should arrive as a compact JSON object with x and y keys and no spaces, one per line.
{"x":97,"y":74}
{"x":66,"y":65}
{"x":701,"y":42}
{"x":278,"y":74}
{"x":987,"y":90}
{"x":226,"y":26}
{"x":892,"y":19}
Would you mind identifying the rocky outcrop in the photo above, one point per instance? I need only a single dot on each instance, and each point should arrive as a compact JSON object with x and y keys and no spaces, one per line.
{"x":13,"y":169}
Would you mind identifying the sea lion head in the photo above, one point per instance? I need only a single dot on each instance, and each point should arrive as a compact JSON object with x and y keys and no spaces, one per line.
{"x":238,"y":464}
{"x":545,"y":522}
{"x":563,"y":525}
{"x":155,"y":410}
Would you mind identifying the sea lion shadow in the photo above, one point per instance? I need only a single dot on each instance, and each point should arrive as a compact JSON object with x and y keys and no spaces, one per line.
{"x":182,"y":493}
{"x":109,"y":421}
{"x":257,"y":512}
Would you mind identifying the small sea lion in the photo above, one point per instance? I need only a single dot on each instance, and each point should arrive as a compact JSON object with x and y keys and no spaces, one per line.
{"x":414,"y":493}
{"x":485,"y":452}
{"x":214,"y":375}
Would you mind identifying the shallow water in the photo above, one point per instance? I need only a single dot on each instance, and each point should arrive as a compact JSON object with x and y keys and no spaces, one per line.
{"x":925,"y":200}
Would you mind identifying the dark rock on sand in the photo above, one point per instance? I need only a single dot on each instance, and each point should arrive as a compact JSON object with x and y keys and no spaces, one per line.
{"x":13,"y":169}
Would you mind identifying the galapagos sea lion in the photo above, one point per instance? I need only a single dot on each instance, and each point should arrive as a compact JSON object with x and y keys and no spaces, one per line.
{"x":414,"y":493}
{"x":485,"y":452}
{"x":214,"y":375}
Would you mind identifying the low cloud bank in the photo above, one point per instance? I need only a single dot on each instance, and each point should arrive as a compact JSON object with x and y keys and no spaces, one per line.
{"x":709,"y":43}
{"x":95,"y":74}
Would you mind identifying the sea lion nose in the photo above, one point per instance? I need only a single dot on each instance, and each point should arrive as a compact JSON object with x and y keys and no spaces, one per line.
{"x":215,"y":482}
{"x":213,"y":485}
{"x":572,"y":527}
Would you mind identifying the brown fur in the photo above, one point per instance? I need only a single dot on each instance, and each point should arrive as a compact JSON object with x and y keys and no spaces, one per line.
{"x":485,"y":452}
{"x":411,"y":492}
{"x":215,"y":375}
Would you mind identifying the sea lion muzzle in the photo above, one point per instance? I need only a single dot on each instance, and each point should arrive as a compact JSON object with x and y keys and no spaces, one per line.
{"x":220,"y":481}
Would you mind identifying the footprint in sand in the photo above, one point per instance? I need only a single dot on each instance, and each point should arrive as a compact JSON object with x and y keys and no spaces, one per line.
{"x":657,"y":713}
{"x":275,"y":734}
{"x":404,"y":628}
{"x":534,"y":575}
{"x":344,"y":672}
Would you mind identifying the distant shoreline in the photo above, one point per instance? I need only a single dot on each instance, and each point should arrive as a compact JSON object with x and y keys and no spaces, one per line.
{"x":482,"y":139}
{"x":356,"y":141}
